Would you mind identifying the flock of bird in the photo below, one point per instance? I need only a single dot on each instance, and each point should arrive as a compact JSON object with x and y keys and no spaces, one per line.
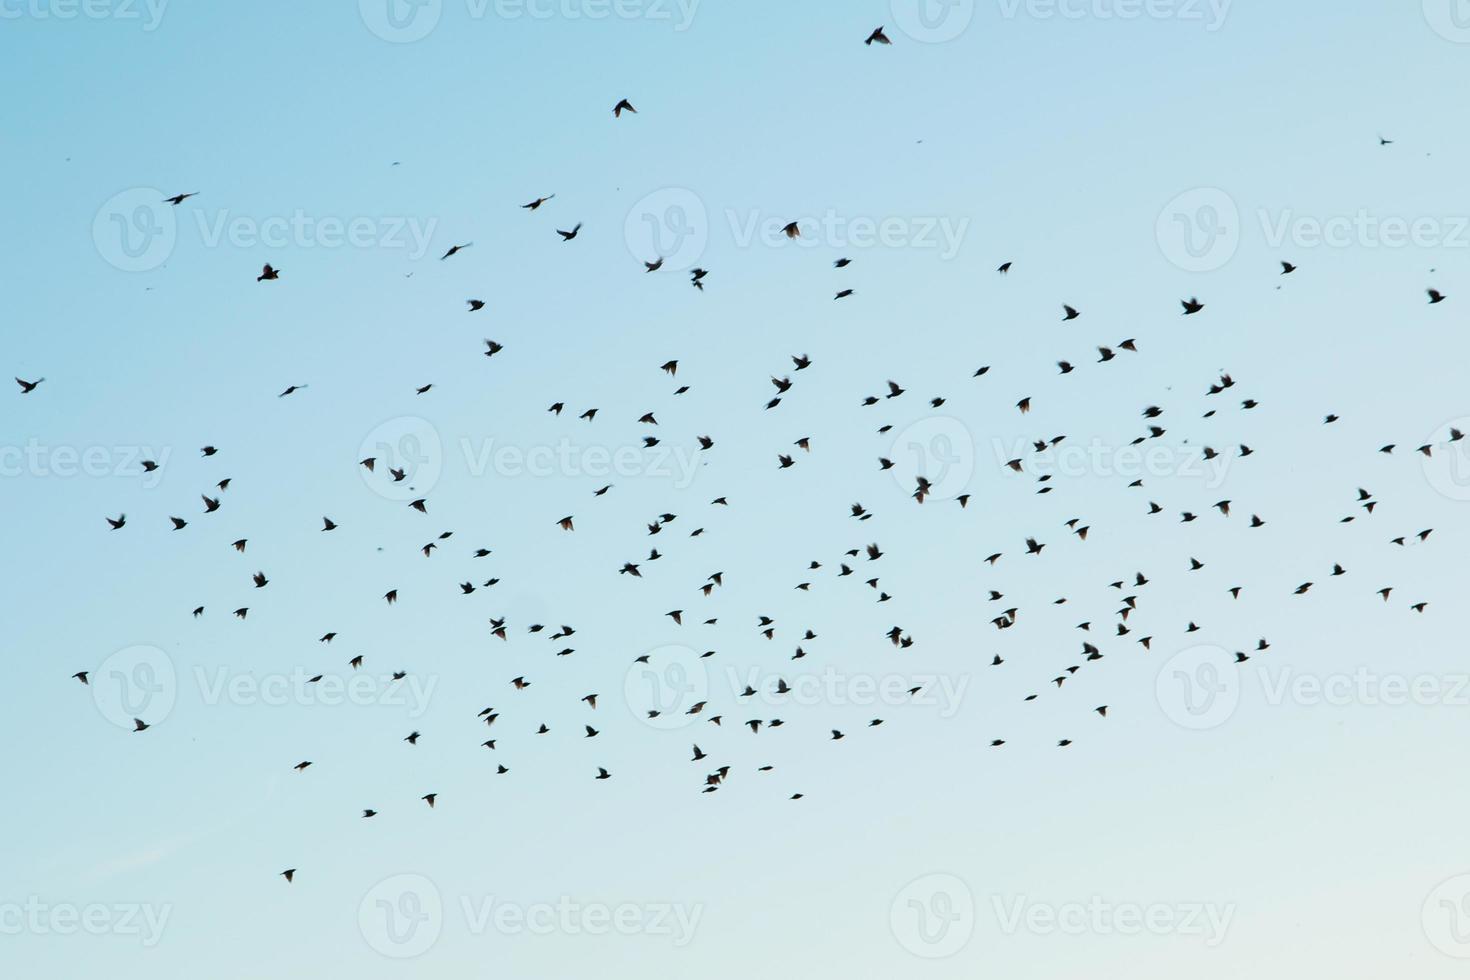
{"x":863,"y":561}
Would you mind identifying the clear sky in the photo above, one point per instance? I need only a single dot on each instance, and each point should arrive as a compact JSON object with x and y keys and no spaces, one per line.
{"x":1302,"y":812}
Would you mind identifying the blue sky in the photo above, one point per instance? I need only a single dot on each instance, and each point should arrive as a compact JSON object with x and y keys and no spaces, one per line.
{"x":1298,"y":812}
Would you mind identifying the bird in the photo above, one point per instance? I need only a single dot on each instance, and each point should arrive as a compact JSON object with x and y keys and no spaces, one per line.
{"x":791,"y":534}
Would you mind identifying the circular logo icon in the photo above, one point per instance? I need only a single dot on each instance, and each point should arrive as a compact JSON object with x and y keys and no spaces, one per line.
{"x":933,"y":917}
{"x":939,"y":449}
{"x":137,"y":682}
{"x":1199,"y":688}
{"x":1447,"y":467}
{"x":933,"y":21}
{"x":662,"y":690}
{"x":1199,"y":231}
{"x":401,"y":21}
{"x":1446,"y":917}
{"x":135,"y":230}
{"x":401,"y":917}
{"x":1449,"y":18}
{"x":671,"y":224}
{"x":407,"y":455}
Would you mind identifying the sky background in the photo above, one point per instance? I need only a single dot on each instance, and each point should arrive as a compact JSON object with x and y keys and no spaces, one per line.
{"x":1122,"y":156}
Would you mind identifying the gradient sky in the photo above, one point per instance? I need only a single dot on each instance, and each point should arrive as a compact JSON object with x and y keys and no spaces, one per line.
{"x":1081,"y":140}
